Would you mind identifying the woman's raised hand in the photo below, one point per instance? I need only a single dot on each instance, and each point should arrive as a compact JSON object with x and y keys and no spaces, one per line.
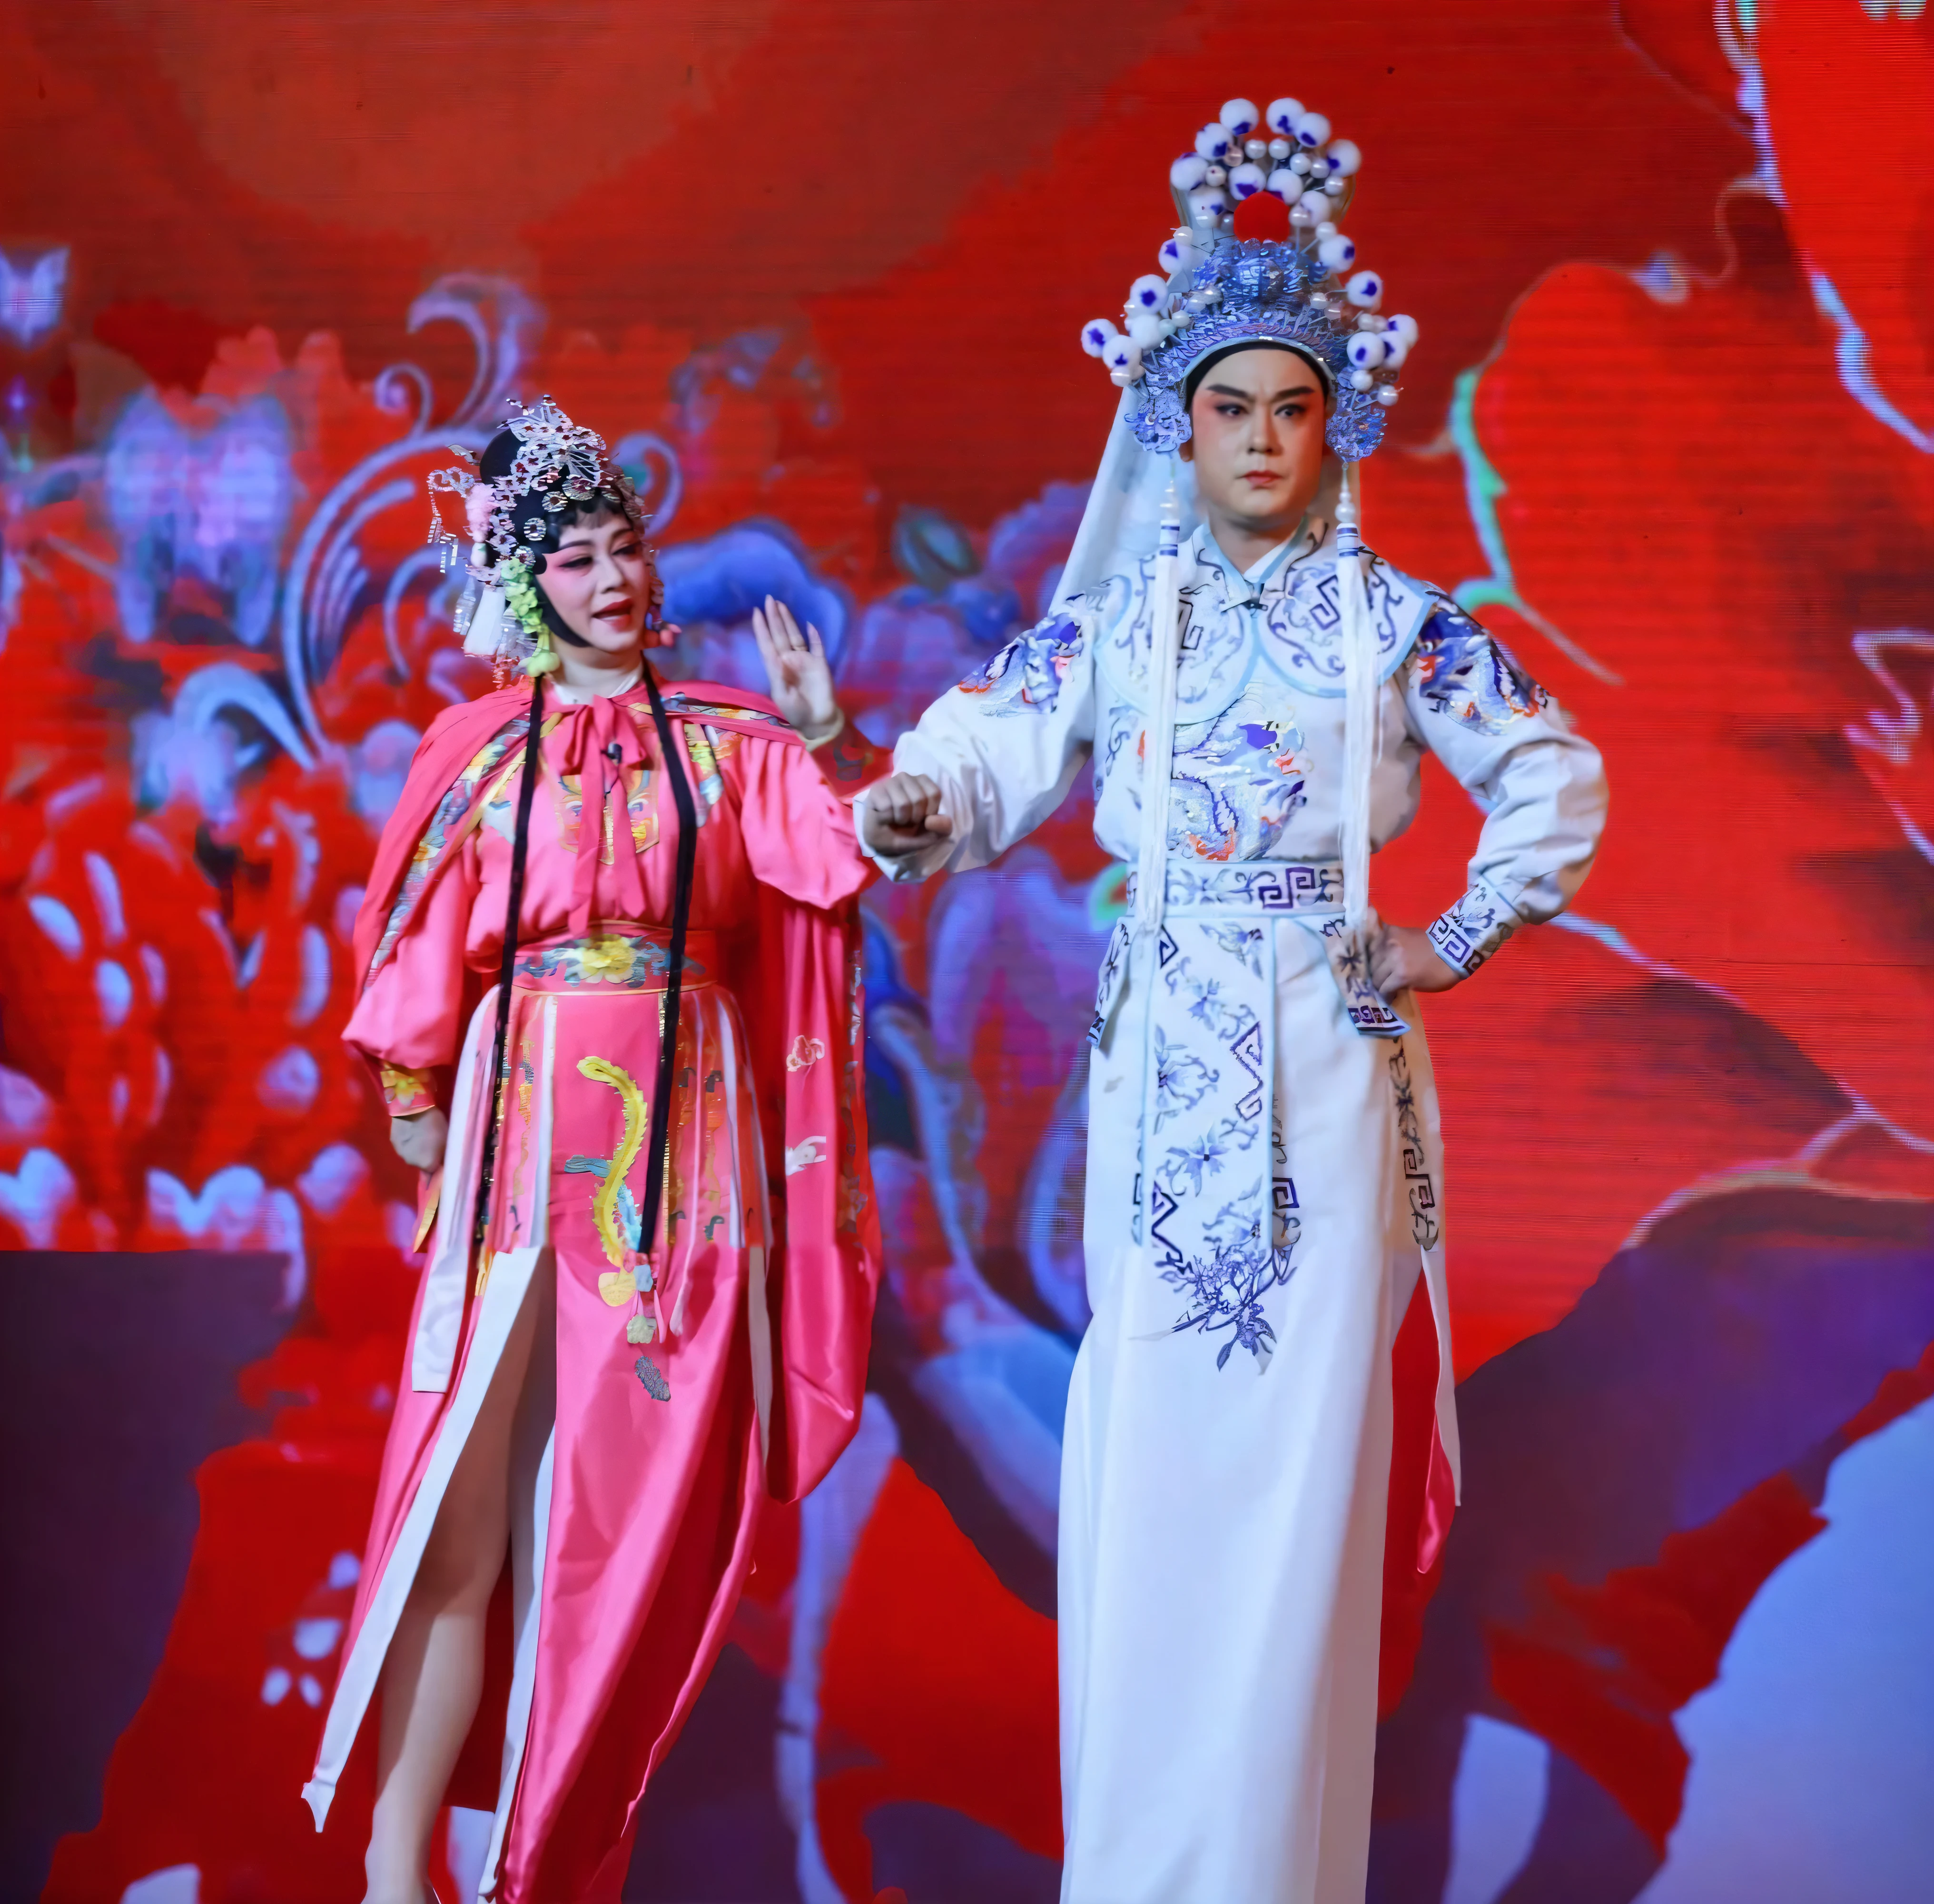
{"x":796,"y":670}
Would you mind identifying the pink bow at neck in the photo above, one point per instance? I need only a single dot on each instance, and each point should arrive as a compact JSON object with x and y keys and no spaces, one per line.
{"x":602,"y":739}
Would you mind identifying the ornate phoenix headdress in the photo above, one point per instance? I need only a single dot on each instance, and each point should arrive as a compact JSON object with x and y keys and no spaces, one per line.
{"x":512,"y":518}
{"x":1215,"y":290}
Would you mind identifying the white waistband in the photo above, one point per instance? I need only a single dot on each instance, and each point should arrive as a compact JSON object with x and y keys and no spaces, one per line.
{"x":1254,"y":885}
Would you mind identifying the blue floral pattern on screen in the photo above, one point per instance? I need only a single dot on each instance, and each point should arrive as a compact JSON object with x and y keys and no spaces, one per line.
{"x":1465,"y":674}
{"x":1026,"y":676}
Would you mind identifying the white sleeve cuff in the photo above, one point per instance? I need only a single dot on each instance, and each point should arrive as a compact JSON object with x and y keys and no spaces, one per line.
{"x":1474,"y":927}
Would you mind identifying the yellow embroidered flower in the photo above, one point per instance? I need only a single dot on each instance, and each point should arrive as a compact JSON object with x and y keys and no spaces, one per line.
{"x":402,"y":1087}
{"x":607,"y":958}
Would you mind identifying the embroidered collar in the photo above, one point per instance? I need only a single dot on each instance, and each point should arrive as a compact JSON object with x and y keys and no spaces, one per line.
{"x":1250,"y":587}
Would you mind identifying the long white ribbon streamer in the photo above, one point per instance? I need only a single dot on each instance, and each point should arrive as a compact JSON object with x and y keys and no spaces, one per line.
{"x":1159,"y":738}
{"x":1359,"y":718}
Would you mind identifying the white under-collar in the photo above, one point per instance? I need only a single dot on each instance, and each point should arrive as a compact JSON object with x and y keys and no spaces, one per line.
{"x":568,"y":696}
{"x":1310,"y":535}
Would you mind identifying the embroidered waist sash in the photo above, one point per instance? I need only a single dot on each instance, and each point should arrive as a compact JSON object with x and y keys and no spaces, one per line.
{"x":624,"y":956}
{"x":1252,"y":890}
{"x":1252,"y":885}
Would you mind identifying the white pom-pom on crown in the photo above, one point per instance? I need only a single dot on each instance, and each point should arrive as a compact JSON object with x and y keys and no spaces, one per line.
{"x":1395,"y":349}
{"x":1312,"y":128}
{"x":1405,"y":326}
{"x":1337,"y":252}
{"x":1345,"y":158}
{"x":1144,"y":330}
{"x":1366,"y":350}
{"x":1147,"y":292}
{"x":1285,"y":185}
{"x":1240,"y":116}
{"x":1282,"y":115}
{"x":1094,"y":337}
{"x":1316,"y":205}
{"x":1122,"y":354}
{"x":1244,"y":181}
{"x":1365,"y":290}
{"x":1176,"y":254}
{"x":1212,"y":142}
{"x":1207,"y":203}
{"x":1188,"y":171}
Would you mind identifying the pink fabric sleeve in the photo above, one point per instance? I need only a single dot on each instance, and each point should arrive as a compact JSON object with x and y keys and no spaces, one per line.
{"x":798,"y":831}
{"x":407,"y":1021}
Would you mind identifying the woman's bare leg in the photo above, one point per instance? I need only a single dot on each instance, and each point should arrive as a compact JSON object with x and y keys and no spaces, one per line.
{"x":434,"y":1673}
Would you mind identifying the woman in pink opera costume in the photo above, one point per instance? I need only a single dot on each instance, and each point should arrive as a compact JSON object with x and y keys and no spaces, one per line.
{"x":647,"y":1303}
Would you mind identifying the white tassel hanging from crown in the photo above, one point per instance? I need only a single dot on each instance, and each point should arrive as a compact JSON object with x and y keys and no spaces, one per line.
{"x":1359,"y":718}
{"x":1158,"y":745}
{"x":485,"y":634}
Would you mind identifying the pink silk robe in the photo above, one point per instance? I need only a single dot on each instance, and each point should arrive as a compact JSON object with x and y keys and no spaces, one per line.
{"x":668,"y":1410}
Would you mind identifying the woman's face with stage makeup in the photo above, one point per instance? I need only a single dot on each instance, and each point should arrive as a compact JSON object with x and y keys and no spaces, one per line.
{"x":1258,"y":420}
{"x":600,"y":583}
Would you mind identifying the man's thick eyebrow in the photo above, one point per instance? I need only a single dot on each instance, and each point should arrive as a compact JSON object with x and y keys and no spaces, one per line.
{"x":1242,"y":395}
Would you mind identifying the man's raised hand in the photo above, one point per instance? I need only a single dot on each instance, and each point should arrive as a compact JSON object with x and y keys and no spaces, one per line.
{"x":902,"y":814}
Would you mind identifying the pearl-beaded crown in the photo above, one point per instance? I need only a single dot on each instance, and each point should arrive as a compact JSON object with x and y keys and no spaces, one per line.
{"x":1215,"y":290}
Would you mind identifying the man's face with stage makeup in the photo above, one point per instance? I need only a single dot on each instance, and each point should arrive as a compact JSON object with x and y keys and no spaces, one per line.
{"x":1257,"y":419}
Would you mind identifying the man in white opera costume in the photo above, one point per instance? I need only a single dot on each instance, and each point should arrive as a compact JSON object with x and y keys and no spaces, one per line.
{"x":1265,"y":1176}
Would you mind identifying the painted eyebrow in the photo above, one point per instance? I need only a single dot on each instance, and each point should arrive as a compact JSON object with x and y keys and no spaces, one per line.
{"x":1243,"y":396}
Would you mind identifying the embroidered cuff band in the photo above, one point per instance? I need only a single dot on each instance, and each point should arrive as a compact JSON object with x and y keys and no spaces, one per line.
{"x":848,"y":761}
{"x":1474,"y":928}
{"x":405,"y":1093}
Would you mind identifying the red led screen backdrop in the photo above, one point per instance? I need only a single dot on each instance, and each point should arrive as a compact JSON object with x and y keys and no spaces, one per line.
{"x":817,"y":272}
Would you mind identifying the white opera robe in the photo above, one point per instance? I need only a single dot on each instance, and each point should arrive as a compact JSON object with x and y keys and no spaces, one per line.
{"x":1264,"y":1188}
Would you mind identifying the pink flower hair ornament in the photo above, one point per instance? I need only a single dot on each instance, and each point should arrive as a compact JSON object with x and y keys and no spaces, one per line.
{"x":478,"y":502}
